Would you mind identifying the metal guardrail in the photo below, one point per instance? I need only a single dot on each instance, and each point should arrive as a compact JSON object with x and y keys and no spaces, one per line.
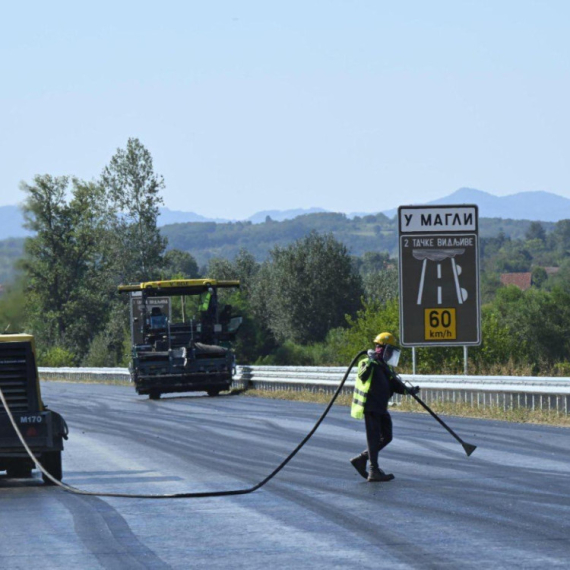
{"x":97,"y":375}
{"x":507,"y":392}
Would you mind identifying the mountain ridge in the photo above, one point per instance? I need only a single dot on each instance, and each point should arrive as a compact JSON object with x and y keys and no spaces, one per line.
{"x":534,"y":206}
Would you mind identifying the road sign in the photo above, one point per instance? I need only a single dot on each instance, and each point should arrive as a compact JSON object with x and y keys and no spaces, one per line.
{"x":439,"y":275}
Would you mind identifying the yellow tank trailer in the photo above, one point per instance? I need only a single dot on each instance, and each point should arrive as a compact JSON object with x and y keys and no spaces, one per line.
{"x":43,"y":429}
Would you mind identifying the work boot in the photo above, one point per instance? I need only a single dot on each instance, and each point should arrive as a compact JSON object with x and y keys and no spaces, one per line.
{"x":377,"y":475}
{"x":359,"y":463}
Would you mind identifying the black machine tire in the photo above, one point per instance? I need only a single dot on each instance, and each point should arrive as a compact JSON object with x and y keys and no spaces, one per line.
{"x":154,"y":395}
{"x":213,"y":393}
{"x":51,"y":462}
{"x":20,"y":470}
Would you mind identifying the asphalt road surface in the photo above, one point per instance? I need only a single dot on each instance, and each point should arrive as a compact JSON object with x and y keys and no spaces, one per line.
{"x":506,"y":506}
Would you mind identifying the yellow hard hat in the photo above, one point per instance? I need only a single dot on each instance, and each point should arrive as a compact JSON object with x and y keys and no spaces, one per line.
{"x":386,"y":338}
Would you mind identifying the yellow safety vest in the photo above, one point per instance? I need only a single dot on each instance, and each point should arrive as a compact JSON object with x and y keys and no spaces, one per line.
{"x":205,"y":304}
{"x":361,"y":388}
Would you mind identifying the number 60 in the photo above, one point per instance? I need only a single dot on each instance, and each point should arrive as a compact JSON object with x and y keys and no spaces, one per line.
{"x":436,"y":319}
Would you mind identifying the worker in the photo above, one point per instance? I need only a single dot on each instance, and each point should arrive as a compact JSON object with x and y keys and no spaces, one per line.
{"x":375,"y":384}
{"x":205,"y":299}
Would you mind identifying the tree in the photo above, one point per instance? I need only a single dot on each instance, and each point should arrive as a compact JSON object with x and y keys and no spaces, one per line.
{"x":372,"y":262}
{"x":66,"y":270}
{"x":254,"y":340}
{"x":13,"y":307}
{"x":539,"y":276}
{"x":312,"y":286}
{"x":538,"y":322}
{"x":381,"y":286}
{"x":561,"y":236}
{"x":133,"y":188}
{"x":180,"y":263}
{"x":535,"y":231}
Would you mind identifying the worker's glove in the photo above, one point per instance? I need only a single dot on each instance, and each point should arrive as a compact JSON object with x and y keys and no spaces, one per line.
{"x":413,"y":390}
{"x":371,"y":355}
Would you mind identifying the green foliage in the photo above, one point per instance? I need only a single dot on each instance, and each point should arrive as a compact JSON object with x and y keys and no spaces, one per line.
{"x":381,"y":286}
{"x":179,"y":265}
{"x":13,"y":315}
{"x":312,"y":285}
{"x":561,"y":236}
{"x":11,"y":251}
{"x":489,"y":284}
{"x":498,"y":345}
{"x":530,"y":327}
{"x":367,"y":235}
{"x":254,"y":339}
{"x":112,"y":346}
{"x":561,"y":279}
{"x":87,"y":237}
{"x":56,"y":357}
{"x":372,"y":319}
{"x":64,"y":265}
{"x":511,"y":229}
{"x":372,"y":262}
{"x":133,"y":190}
{"x":512,"y":257}
{"x":208,"y":240}
{"x":539,"y":276}
{"x":289,"y":353}
{"x":535,"y":231}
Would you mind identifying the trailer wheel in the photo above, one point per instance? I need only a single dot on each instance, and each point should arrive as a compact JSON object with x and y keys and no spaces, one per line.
{"x":213,"y":393}
{"x":154,"y":395}
{"x":51,"y":462}
{"x":19,"y":471}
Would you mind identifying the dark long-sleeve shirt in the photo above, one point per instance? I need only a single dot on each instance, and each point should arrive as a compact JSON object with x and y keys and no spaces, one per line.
{"x":384,"y":384}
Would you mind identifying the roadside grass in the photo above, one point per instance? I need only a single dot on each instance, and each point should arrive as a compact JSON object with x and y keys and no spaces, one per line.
{"x":299,"y":396}
{"x":517,"y":415}
{"x":106,"y":382}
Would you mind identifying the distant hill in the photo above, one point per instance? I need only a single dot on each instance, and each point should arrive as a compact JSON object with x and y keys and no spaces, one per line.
{"x":360,"y":234}
{"x":11,"y":250}
{"x":12,"y":220}
{"x":282,"y":215}
{"x":168,"y":216}
{"x":205,"y":240}
{"x":12,"y":223}
{"x":534,"y":206}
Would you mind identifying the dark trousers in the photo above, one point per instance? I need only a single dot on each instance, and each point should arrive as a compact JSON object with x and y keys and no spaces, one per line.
{"x":378,"y":434}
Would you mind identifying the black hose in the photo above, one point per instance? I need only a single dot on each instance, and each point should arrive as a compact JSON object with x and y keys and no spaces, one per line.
{"x":204,"y":494}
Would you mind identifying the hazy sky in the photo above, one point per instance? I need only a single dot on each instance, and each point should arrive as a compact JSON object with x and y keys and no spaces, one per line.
{"x":246,"y":106}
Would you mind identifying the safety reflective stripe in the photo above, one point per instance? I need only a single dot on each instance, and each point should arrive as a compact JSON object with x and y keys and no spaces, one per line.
{"x":361,"y":389}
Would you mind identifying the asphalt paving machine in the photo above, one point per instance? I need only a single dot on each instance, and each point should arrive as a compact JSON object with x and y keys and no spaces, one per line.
{"x":190,"y":353}
{"x":44,"y":430}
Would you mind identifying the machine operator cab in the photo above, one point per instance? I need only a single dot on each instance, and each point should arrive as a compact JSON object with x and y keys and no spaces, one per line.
{"x":181,"y":336}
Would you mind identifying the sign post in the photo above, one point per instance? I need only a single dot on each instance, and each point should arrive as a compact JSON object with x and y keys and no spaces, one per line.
{"x":439,"y":276}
